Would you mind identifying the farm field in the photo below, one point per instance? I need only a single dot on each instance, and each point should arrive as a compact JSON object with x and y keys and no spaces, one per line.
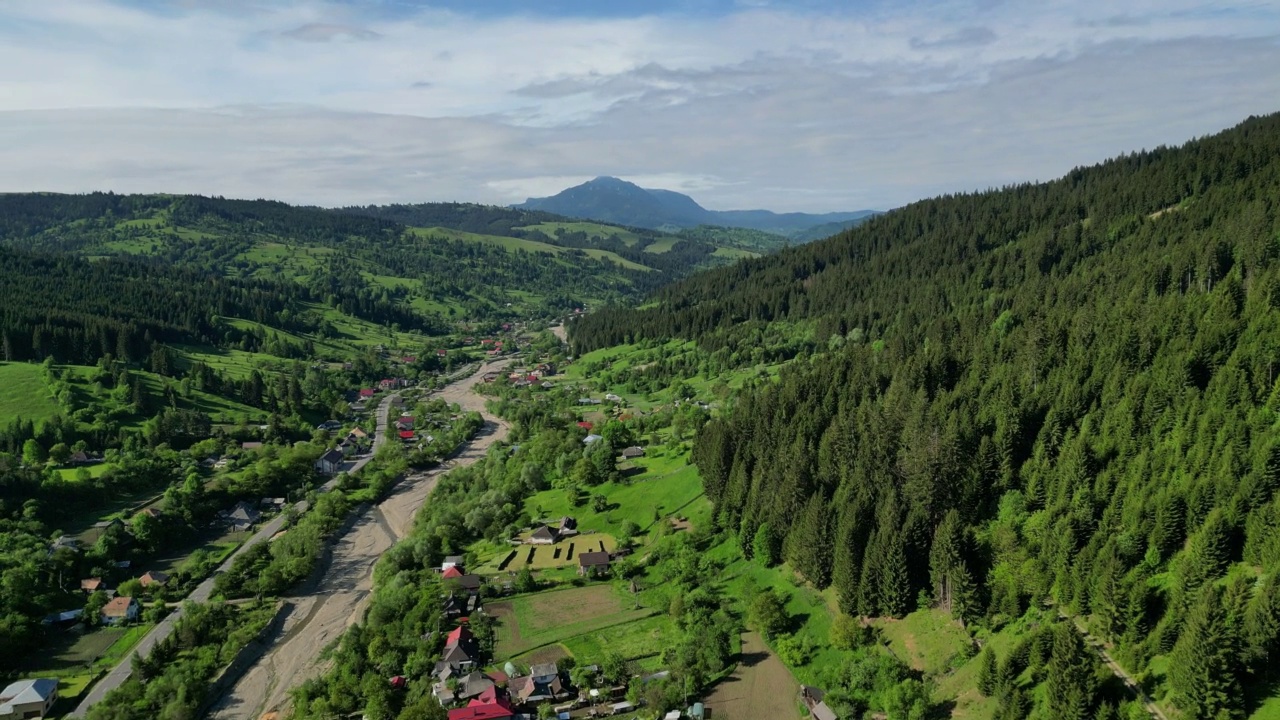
{"x":544,"y":557}
{"x":533,"y":621}
{"x":23,"y":394}
{"x":77,"y":659}
{"x":761,"y":688}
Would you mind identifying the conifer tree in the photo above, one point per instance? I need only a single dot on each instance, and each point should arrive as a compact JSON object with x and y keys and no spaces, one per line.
{"x":1202,"y":672}
{"x":952,"y":583}
{"x":1069,"y":680}
{"x":988,"y":672}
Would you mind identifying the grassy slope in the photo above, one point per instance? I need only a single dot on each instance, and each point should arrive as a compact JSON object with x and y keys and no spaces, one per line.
{"x":595,"y":231}
{"x":511,"y":243}
{"x":23,"y":394}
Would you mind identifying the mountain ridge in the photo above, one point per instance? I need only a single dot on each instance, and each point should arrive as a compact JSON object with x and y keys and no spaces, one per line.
{"x":611,"y":199}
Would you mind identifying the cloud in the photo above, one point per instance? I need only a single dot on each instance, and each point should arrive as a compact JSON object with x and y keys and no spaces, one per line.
{"x":815,"y":109}
{"x":964,"y":37}
{"x":325,"y":32}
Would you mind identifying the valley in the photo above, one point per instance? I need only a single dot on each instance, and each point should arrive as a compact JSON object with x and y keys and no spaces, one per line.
{"x":994,"y":456}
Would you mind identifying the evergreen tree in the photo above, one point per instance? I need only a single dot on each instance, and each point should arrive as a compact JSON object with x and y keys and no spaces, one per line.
{"x":1069,"y":679}
{"x":764,"y":547}
{"x":988,"y":672}
{"x":1202,"y":667}
{"x":952,"y":584}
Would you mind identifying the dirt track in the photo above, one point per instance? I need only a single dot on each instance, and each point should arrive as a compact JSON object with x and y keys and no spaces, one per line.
{"x":761,"y":688}
{"x":323,"y":610}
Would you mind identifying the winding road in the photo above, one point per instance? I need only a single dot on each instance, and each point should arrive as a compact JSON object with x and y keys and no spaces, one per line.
{"x":321,"y":611}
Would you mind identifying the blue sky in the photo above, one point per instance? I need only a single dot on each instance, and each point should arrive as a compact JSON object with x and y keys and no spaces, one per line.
{"x":742,"y":103}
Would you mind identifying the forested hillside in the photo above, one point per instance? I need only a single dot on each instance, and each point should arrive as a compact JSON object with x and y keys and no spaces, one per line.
{"x":1062,"y":394}
{"x":347,"y":260}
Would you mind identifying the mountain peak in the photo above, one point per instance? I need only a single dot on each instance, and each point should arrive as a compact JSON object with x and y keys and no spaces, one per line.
{"x":614,"y":200}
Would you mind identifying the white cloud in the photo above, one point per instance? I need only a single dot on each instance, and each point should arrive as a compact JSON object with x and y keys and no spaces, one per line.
{"x":329,"y":103}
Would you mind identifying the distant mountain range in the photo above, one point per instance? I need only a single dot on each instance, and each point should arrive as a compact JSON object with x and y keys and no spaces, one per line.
{"x":609,"y":199}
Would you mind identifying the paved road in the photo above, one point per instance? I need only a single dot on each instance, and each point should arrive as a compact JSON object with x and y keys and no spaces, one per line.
{"x":204,"y":590}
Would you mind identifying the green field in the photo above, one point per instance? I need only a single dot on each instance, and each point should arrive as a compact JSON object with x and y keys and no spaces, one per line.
{"x":594,"y":231}
{"x":511,"y":243}
{"x":23,"y":394}
{"x":668,"y":486}
{"x":529,"y":622}
{"x":665,"y":244}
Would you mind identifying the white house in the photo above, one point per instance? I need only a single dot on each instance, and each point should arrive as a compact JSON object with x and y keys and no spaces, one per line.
{"x":28,"y":698}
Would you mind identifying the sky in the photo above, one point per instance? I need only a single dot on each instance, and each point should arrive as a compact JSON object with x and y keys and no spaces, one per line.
{"x":811,"y":105}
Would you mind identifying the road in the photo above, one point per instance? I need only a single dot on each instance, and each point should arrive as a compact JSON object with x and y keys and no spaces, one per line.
{"x":1134,"y":688}
{"x":204,"y":590}
{"x":321,"y":611}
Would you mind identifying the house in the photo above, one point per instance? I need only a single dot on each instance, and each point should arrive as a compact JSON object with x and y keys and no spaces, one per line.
{"x":406,"y":435}
{"x":454,"y":606}
{"x":152,"y":512}
{"x":330,"y":462}
{"x":568,"y":526}
{"x":633,"y":452}
{"x":591,"y":438}
{"x":121,"y":609}
{"x":528,"y":689}
{"x":451,"y":573}
{"x":547,"y":384}
{"x":80,"y":457}
{"x":442,"y":352}
{"x":544,"y":673}
{"x":822,"y":712}
{"x":409,"y":359}
{"x":251,"y":445}
{"x":276,"y":504}
{"x":405,"y":422}
{"x":585,"y":425}
{"x":92,"y":585}
{"x":358,"y":434}
{"x":460,"y":649}
{"x":593,"y":563}
{"x":153,"y":577}
{"x":490,"y":376}
{"x":672,"y":715}
{"x":543,"y":536}
{"x":451,"y":561}
{"x":243,"y":516}
{"x":65,"y":542}
{"x":588,"y":401}
{"x":63,"y":618}
{"x":496,"y":709}
{"x":366,"y":393}
{"x":471,"y":583}
{"x":613,"y":398}
{"x":105,"y":525}
{"x":346,"y":447}
{"x":28,"y":698}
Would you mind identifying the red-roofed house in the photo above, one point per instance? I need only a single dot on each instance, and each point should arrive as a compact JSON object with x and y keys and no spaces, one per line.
{"x":406,"y":434}
{"x":405,"y":422}
{"x":457,"y":635}
{"x":452,"y":572}
{"x":367,"y":392}
{"x":441,"y":352}
{"x":585,"y":425}
{"x":478,"y":710}
{"x":409,"y":359}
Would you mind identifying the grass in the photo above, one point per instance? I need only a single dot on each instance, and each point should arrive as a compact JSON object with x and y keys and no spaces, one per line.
{"x":594,"y":231}
{"x":529,"y":622}
{"x":734,"y":253}
{"x":511,"y":243}
{"x":667,"y":485}
{"x":69,"y":473}
{"x":636,"y":640}
{"x":23,"y":394}
{"x":927,"y":640}
{"x":663,"y":245}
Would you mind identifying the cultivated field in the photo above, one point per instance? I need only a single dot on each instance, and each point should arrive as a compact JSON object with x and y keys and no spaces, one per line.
{"x":761,"y":688}
{"x":533,"y":621}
